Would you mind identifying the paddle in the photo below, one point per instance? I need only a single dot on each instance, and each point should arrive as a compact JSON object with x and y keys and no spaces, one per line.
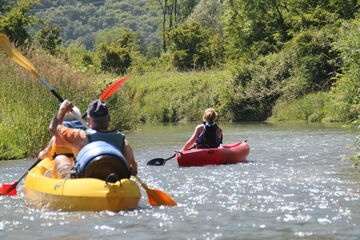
{"x":110,"y":90}
{"x":159,"y":161}
{"x":113,"y":87}
{"x":157,"y":197}
{"x":10,"y":189}
{"x":162,"y":161}
{"x":17,"y":57}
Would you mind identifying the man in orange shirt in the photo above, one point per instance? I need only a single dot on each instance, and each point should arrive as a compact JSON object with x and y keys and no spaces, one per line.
{"x":99,"y":118}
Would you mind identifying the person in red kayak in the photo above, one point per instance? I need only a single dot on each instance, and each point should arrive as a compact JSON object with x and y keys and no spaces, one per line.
{"x":208,"y":134}
{"x":99,"y":118}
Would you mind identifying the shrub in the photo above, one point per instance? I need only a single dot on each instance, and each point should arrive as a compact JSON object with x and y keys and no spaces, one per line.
{"x":305,"y":65}
{"x":345,"y":95}
{"x":49,"y":38}
{"x":310,"y":108}
{"x":113,"y":58}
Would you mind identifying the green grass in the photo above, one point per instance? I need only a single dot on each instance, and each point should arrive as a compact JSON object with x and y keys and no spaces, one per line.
{"x":168,"y":96}
{"x":28,"y":106}
{"x":310,"y":108}
{"x":174,"y":96}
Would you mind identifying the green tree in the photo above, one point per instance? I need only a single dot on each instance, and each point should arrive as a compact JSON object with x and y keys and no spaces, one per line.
{"x":16,"y":20}
{"x":262,"y":26}
{"x":173,"y":12}
{"x":125,"y":37}
{"x":185,"y":9}
{"x":117,"y":56}
{"x":49,"y":38}
{"x":209,"y":13}
{"x":77,"y":55}
{"x":255,"y":26}
{"x":5,"y":5}
{"x":188,"y":46}
{"x":345,"y":105}
{"x":113,"y":58}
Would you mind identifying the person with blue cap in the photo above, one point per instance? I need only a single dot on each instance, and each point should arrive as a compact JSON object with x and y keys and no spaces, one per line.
{"x":98,"y":118}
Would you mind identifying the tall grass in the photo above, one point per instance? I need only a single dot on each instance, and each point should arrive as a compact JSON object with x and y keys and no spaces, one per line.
{"x":27,"y":106}
{"x":174,"y":96}
{"x":155,"y":97}
{"x":310,"y":108}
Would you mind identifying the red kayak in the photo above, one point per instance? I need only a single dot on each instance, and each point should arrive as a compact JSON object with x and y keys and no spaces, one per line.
{"x":226,"y":154}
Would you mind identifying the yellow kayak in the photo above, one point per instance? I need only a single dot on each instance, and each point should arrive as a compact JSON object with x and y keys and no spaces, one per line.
{"x":81,"y":194}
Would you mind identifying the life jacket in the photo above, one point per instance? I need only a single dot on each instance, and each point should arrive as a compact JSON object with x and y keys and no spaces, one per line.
{"x":209,"y":137}
{"x":114,"y":137}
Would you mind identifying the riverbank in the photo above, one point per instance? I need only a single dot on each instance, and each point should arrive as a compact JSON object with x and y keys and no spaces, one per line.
{"x":167,"y":96}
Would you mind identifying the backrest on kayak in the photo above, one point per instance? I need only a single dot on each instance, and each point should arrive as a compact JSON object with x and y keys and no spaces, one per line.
{"x":101,"y":160}
{"x":209,"y":137}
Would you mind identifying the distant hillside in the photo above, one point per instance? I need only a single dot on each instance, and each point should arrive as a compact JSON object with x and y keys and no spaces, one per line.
{"x":83,"y":19}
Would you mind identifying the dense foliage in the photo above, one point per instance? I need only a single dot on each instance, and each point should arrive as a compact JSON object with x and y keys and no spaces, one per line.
{"x":83,"y":20}
{"x":283,"y":60}
{"x":15,"y":21}
{"x":346,"y":92}
{"x":49,"y":38}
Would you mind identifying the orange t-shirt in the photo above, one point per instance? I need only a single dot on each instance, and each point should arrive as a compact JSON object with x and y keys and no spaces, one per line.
{"x":69,"y":136}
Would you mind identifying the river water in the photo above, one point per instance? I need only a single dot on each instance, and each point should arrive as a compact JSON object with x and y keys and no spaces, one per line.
{"x":298,"y":184}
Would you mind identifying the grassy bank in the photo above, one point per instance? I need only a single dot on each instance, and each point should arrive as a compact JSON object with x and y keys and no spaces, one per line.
{"x":27,"y":106}
{"x":153,"y":97}
{"x":311,"y":108}
{"x":174,"y":96}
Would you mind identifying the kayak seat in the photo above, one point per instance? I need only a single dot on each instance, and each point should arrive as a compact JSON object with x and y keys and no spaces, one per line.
{"x":100,"y":160}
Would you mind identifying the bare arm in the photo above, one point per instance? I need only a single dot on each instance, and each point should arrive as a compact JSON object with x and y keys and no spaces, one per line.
{"x":129,"y":155}
{"x":65,"y":107}
{"x":192,"y":139}
{"x":46,"y":152}
{"x":220,"y":134}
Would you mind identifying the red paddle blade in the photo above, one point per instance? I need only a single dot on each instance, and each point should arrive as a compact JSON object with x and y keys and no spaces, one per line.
{"x":8,"y":189}
{"x":113,"y":87}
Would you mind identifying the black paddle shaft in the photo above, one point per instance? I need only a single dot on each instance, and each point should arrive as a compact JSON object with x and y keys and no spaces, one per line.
{"x":159,"y":161}
{"x":57,"y":95}
{"x":13,"y":186}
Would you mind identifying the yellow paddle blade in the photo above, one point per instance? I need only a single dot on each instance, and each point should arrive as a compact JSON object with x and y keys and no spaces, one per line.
{"x":16,"y":56}
{"x":157,"y":197}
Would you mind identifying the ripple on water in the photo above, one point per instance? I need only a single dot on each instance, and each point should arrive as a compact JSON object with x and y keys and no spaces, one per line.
{"x":293,"y":187}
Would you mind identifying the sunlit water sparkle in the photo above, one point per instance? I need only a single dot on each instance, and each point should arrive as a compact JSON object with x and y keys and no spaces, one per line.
{"x":296,"y":185}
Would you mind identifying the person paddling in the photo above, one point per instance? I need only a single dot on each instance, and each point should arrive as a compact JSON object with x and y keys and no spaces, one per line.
{"x":208,"y":134}
{"x":52,"y":150}
{"x":99,"y":118}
